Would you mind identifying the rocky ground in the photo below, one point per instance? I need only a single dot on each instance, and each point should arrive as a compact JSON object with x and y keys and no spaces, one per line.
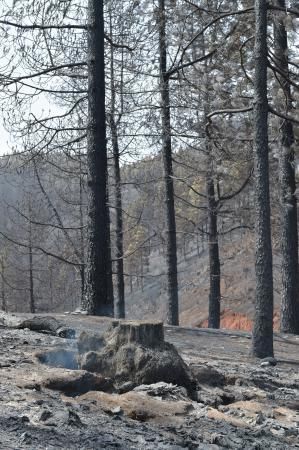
{"x":241,"y":402}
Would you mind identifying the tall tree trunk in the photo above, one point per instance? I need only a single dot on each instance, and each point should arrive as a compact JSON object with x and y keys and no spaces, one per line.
{"x":98,"y":294}
{"x":31,"y":280}
{"x":214,"y":261}
{"x":120,"y":285}
{"x":119,"y":253}
{"x":289,"y":321}
{"x":51,"y":287}
{"x":171,"y":251}
{"x":212,"y":222}
{"x":262,"y":339}
{"x":82,"y":241}
{"x":3,"y":293}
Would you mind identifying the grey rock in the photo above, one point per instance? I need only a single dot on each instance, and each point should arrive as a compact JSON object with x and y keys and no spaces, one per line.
{"x":125,"y":387}
{"x":164,"y":390}
{"x":208,"y":447}
{"x":74,"y":419}
{"x":259,"y":419}
{"x":268,"y":362}
{"x":45,"y":415}
{"x":25,"y":438}
{"x":205,"y":374}
{"x":117,"y":410}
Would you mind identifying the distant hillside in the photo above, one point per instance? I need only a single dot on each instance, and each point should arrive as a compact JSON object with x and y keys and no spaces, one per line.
{"x":57,"y":285}
{"x":146,"y":287}
{"x":237,"y":286}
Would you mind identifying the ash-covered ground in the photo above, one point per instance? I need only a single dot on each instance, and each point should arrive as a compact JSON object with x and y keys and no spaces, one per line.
{"x":241,"y":404}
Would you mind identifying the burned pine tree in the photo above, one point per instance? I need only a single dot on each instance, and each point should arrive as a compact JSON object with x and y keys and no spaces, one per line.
{"x":98,"y":296}
{"x":114,"y":121}
{"x":214,"y":260}
{"x":262,"y":339}
{"x":171,"y":242}
{"x":289,"y":320}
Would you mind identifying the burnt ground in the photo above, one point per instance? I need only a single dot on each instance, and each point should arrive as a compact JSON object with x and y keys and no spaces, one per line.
{"x":241,"y":404}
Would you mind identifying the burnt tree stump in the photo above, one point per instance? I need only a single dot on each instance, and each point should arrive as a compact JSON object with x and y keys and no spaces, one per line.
{"x":136,"y":352}
{"x":148,"y":334}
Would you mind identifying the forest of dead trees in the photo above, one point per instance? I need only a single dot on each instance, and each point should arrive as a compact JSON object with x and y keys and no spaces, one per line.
{"x":142,"y":128}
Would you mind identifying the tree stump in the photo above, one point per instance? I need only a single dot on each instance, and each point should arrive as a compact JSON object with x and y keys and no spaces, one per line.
{"x":145,"y":333}
{"x":135,"y":352}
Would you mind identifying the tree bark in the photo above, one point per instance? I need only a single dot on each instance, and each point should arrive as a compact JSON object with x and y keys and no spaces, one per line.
{"x":171,"y":243}
{"x":212,"y":222}
{"x":289,"y":321}
{"x":119,"y":253}
{"x":98,"y":295}
{"x":120,"y":285}
{"x":31,"y":282}
{"x":30,"y":255}
{"x":262,"y":338}
{"x":214,"y":261}
{"x":3,"y":293}
{"x":82,"y":239}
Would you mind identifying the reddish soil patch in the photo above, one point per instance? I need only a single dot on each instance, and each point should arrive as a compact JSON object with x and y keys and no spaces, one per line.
{"x":237,"y":321}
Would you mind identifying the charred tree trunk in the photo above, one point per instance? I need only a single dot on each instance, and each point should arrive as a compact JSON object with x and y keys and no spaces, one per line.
{"x":31,"y":282}
{"x":212,"y":219}
{"x":109,"y":259}
{"x":82,"y":242}
{"x":289,"y":321}
{"x":120,"y":285}
{"x":47,"y":325}
{"x":171,"y":251}
{"x":214,"y":261}
{"x":3,"y":293}
{"x":51,"y":287}
{"x":131,"y":283}
{"x":98,"y":295}
{"x":30,"y":256}
{"x":119,"y":253}
{"x":262,"y":342}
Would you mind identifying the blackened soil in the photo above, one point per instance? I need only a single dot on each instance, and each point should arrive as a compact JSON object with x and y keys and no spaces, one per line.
{"x":255,"y":407}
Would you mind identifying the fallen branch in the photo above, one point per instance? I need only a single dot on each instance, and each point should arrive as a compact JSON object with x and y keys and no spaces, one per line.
{"x":47,"y":325}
